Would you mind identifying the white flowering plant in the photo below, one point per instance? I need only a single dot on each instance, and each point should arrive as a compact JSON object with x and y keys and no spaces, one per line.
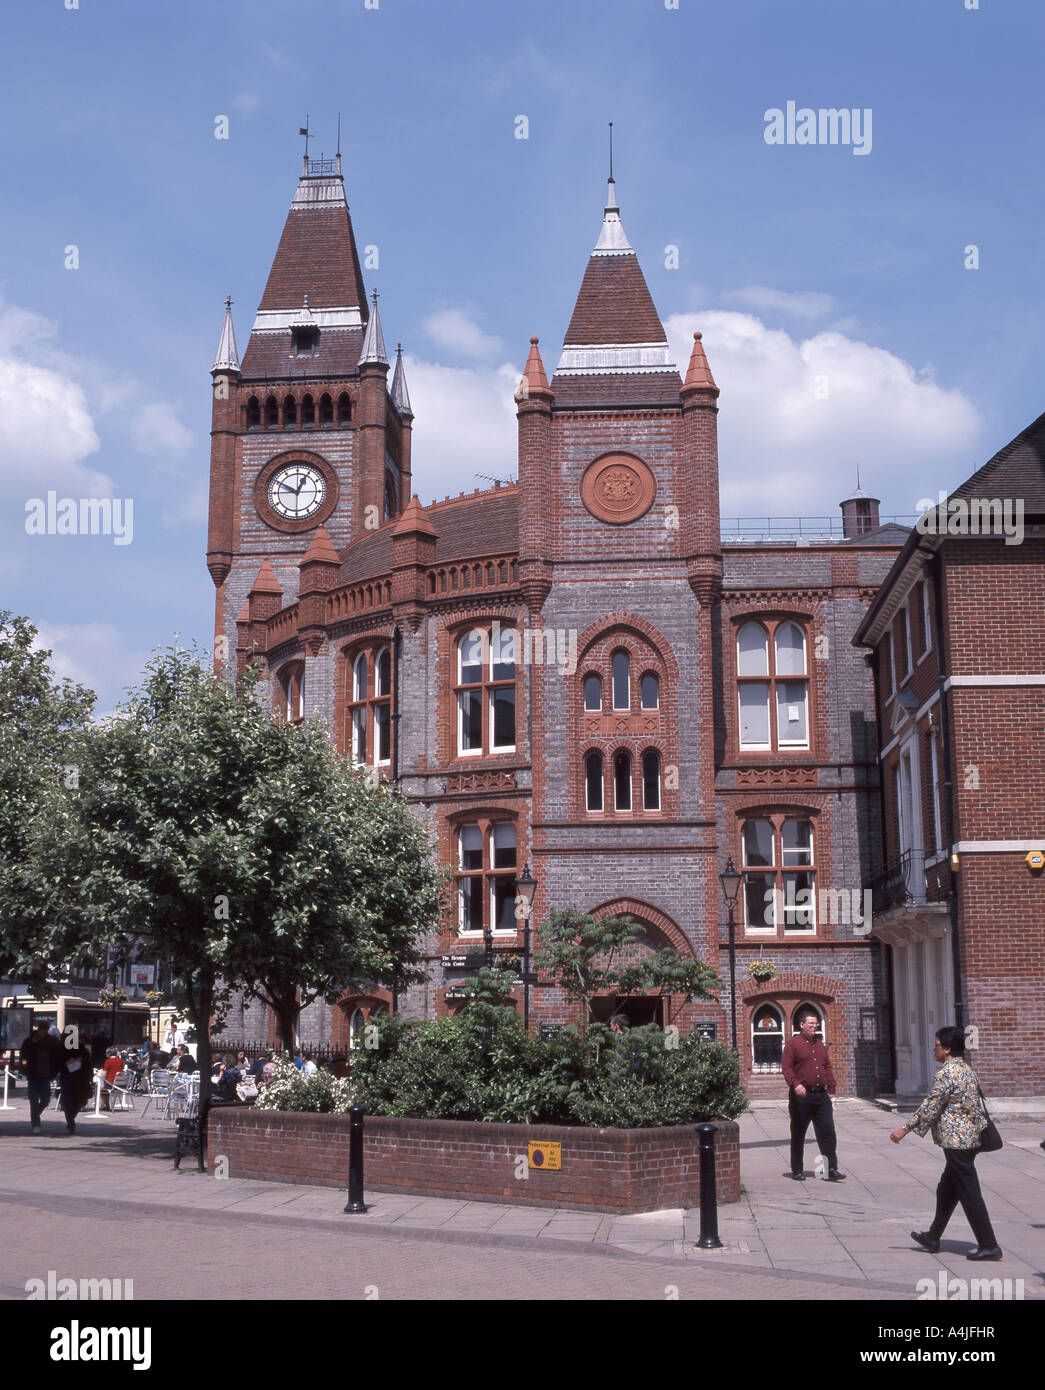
{"x":290,"y":1089}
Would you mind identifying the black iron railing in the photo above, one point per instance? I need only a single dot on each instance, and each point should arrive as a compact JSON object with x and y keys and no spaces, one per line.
{"x":906,"y":881}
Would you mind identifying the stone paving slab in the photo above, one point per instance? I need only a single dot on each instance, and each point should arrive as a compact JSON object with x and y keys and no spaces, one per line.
{"x":856,"y":1231}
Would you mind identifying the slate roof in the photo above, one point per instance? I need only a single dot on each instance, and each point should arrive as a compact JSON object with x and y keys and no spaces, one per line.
{"x":271,"y":355}
{"x":614,"y":305}
{"x":316,"y":256}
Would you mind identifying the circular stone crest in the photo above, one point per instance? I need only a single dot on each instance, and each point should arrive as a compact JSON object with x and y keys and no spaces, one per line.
{"x":618,"y":488}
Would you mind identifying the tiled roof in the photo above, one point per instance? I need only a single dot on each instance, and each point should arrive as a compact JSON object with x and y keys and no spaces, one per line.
{"x":316,"y":256}
{"x":617,"y":389}
{"x":271,"y":355}
{"x":614,"y":305}
{"x":485,"y":523}
{"x":1017,"y":471}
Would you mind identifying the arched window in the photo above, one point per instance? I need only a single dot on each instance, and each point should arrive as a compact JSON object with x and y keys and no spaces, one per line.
{"x":771,"y":674}
{"x":651,"y":780}
{"x":308,"y":413}
{"x":767,"y":1039}
{"x":779,"y":875}
{"x":391,"y":498}
{"x":593,"y":781}
{"x":808,"y":1008}
{"x":484,"y":694}
{"x":622,"y":780}
{"x":650,"y":691}
{"x":593,"y":693}
{"x":290,"y":413}
{"x":271,"y":413}
{"x":356,"y":1028}
{"x":292,"y":692}
{"x":370,"y":712}
{"x":344,"y":408}
{"x":621,"y":680}
{"x":253,"y":414}
{"x":326,"y":412}
{"x":486,"y":867}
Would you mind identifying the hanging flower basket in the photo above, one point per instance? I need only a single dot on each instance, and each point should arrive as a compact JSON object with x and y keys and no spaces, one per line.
{"x":762,"y":970}
{"x":111,"y":996}
{"x":156,"y":998}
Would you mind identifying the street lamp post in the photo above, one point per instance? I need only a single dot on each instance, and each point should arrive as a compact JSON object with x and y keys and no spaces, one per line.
{"x":525,"y":887}
{"x":730,"y":880}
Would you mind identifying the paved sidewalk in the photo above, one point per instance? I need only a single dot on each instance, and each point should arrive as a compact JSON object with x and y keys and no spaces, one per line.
{"x":854,"y":1233}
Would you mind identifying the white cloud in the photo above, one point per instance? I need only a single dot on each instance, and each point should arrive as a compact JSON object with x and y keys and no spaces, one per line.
{"x":465,"y":426}
{"x":158,"y":431}
{"x":784,"y":451}
{"x":95,"y":655}
{"x":811,"y":304}
{"x":457,"y":331}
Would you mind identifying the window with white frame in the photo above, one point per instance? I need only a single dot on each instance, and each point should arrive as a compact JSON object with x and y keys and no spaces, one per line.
{"x":621,"y":668}
{"x":370,"y":708}
{"x":292,"y":692}
{"x":593,"y":774}
{"x":779,"y":875}
{"x":767,"y":1039}
{"x":927,"y":622}
{"x":651,"y":780}
{"x":486,"y":869}
{"x":904,"y":625}
{"x":773,"y":687}
{"x":484,"y":693}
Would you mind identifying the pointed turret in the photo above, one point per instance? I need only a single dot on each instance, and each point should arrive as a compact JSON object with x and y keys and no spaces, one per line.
{"x":415,"y":521}
{"x":615,"y":351}
{"x":400,"y":395}
{"x":374,"y":342}
{"x":534,"y":379}
{"x":698,"y":374}
{"x":266,"y":581}
{"x":226,"y":359}
{"x":316,"y":266}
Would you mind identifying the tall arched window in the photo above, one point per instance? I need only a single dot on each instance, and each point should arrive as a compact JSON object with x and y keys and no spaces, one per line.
{"x":344,"y":408}
{"x":807,"y":1008}
{"x":308,"y":412}
{"x":771,"y":675}
{"x":621,"y":680}
{"x":326,"y":412}
{"x":486,"y":868}
{"x":484,"y":694}
{"x":593,"y":764}
{"x":370,"y":711}
{"x":292,"y":692}
{"x":622,"y":780}
{"x":767,"y":1039}
{"x":651,"y":780}
{"x":290,"y":413}
{"x":650,"y":691}
{"x":356,"y":1028}
{"x":253,"y":414}
{"x":593,"y":693}
{"x":271,"y":413}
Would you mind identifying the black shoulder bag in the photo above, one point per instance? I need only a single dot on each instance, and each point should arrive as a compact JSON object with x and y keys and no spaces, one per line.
{"x":990,"y":1139}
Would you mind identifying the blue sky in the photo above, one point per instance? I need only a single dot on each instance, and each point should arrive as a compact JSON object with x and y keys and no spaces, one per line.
{"x":797,"y":262}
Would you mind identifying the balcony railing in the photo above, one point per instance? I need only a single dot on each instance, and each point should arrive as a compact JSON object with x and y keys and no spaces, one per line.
{"x":907,"y":882}
{"x":792,"y":530}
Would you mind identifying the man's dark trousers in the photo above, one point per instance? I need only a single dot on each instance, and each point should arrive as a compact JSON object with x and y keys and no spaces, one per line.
{"x":815,"y":1106}
{"x":39,"y":1096}
{"x":960,"y":1183}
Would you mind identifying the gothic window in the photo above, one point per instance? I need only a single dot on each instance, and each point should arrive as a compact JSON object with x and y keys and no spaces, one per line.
{"x":486,"y":867}
{"x":292,"y":692}
{"x":807,"y":1008}
{"x":779,"y":877}
{"x":290,"y":413}
{"x":344,"y":408}
{"x":326,"y":412}
{"x":621,"y":667}
{"x":271,"y":413}
{"x":651,"y":780}
{"x":622,"y":780}
{"x":356,"y":1028}
{"x":593,"y":693}
{"x":370,"y":710}
{"x":391,"y":502}
{"x":484,"y":694}
{"x":650,"y":691}
{"x":767,"y":1039}
{"x":593,"y":765}
{"x":253,"y":414}
{"x":308,"y":413}
{"x":771,"y":677}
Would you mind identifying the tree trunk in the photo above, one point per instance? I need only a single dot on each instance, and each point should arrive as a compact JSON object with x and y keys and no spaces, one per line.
{"x":202,"y":1000}
{"x":287,"y":1009}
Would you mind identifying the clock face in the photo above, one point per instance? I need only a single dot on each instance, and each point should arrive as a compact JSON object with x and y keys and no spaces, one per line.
{"x":296,"y":491}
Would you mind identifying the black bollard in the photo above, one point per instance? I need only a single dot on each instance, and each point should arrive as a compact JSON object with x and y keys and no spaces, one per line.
{"x":708,"y":1208}
{"x":355,"y":1202}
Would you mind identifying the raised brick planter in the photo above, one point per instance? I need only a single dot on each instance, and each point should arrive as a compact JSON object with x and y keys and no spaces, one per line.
{"x":612,"y":1170}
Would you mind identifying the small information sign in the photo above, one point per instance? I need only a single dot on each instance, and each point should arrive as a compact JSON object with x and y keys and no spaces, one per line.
{"x":544,"y":1155}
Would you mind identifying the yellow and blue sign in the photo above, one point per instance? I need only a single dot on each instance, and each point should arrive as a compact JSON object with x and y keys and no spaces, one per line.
{"x":544,"y":1155}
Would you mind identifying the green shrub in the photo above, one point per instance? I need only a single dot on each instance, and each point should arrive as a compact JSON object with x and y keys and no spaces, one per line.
{"x":290,"y":1089}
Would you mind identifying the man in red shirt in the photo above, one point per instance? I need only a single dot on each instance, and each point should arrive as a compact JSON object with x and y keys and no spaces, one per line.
{"x":807,"y":1071}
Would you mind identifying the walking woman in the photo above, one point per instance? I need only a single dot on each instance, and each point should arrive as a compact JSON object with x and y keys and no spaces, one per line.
{"x":77,"y":1076}
{"x":952,"y":1110}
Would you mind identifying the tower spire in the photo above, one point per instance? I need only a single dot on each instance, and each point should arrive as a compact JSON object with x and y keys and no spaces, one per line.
{"x":374,"y":342}
{"x":400,"y":395}
{"x":226,"y":359}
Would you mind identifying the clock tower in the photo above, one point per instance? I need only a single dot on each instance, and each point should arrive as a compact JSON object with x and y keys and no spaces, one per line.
{"x":310,"y":441}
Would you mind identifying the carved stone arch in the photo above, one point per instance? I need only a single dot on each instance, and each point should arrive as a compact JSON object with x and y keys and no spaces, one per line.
{"x":659,"y":927}
{"x":603,"y":626}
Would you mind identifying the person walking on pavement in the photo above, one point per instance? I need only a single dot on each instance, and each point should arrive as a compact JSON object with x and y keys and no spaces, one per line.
{"x":41,"y":1055}
{"x":811,"y":1082}
{"x":954,"y":1113}
{"x":77,"y":1076}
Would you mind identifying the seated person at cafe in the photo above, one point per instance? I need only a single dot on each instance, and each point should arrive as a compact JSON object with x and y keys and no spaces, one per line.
{"x":182,"y":1060}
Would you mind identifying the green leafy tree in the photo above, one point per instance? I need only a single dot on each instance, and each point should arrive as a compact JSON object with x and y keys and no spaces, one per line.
{"x":43,"y":723}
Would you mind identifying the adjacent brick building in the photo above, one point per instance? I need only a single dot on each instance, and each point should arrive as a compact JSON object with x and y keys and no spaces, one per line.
{"x":957,"y":648}
{"x":579,"y":671}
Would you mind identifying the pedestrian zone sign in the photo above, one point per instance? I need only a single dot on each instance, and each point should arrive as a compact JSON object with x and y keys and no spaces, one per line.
{"x":544,"y":1155}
